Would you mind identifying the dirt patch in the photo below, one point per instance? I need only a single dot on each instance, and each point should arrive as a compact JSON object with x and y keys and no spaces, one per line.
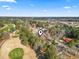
{"x":15,"y":43}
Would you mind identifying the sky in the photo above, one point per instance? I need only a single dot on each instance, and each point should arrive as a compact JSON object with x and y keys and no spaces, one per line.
{"x":39,"y":8}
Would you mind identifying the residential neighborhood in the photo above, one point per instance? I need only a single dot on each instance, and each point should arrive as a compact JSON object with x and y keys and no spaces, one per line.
{"x":40,"y":39}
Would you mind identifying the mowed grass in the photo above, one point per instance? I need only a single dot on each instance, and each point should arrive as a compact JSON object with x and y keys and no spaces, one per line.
{"x":16,"y":53}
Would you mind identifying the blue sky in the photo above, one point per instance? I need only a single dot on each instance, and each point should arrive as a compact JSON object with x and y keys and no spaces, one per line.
{"x":39,"y":8}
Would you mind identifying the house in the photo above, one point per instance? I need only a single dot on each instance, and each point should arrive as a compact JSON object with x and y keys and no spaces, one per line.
{"x":67,"y":40}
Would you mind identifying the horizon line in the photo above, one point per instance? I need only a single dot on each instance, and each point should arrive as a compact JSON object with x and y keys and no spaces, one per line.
{"x":39,"y":16}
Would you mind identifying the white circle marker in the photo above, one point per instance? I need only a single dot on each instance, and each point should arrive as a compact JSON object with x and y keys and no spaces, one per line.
{"x":40,"y":32}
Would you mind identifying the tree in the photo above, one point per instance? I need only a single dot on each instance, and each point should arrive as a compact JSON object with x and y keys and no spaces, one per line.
{"x":51,"y":52}
{"x":1,"y":34}
{"x":72,"y":32}
{"x":24,"y":35}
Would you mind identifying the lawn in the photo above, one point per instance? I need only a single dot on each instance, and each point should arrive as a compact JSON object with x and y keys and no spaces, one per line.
{"x":16,"y":53}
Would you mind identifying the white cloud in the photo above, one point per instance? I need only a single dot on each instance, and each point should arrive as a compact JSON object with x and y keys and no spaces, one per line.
{"x":14,"y":1}
{"x":45,"y":10}
{"x":70,"y":7}
{"x":67,"y":7}
{"x":6,"y":7}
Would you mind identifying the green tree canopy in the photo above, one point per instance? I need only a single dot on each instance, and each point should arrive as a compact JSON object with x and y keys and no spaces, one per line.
{"x":51,"y":52}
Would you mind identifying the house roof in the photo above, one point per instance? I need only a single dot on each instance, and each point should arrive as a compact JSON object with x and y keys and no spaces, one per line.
{"x":67,"y":39}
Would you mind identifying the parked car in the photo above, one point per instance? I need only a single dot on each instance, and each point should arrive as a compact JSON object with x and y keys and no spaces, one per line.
{"x":77,"y":45}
